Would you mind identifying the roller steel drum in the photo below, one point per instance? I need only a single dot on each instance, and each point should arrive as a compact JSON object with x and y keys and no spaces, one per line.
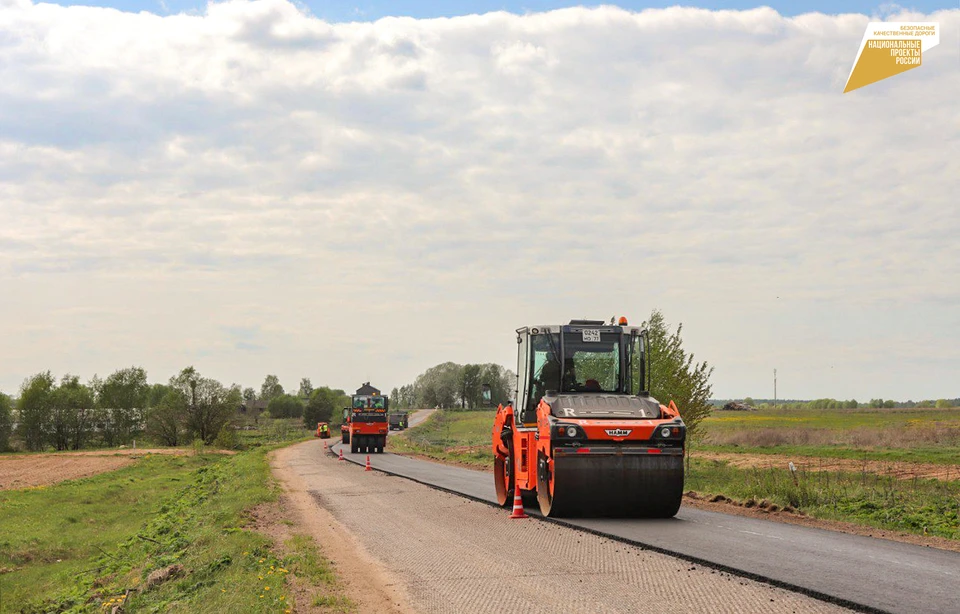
{"x":611,"y":485}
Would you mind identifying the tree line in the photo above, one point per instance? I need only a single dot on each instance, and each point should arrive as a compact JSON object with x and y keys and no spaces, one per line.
{"x":450,"y":385}
{"x":68,"y":414}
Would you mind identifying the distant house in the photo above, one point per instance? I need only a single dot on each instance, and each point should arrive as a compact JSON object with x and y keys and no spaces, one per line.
{"x":367,"y":390}
{"x":252,"y":408}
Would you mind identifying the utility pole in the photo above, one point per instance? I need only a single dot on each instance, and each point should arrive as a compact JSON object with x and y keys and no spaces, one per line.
{"x":774,"y":388}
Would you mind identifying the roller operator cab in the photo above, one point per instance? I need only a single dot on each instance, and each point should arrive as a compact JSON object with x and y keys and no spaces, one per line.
{"x":583,"y":437}
{"x":365,"y":422}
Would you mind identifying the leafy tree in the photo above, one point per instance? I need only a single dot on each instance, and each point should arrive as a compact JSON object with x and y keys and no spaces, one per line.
{"x":285,"y":406}
{"x":71,"y":414}
{"x":249,"y":394}
{"x":675,"y":376}
{"x":305,"y":388}
{"x":166,"y":420}
{"x":469,"y":386}
{"x":501,"y":381}
{"x":156,"y":394}
{"x":34,"y":408}
{"x":123,"y":397}
{"x":271,"y":388}
{"x":209,"y":405}
{"x":437,"y":386}
{"x":323,"y":405}
{"x":6,"y":422}
{"x":748,"y":401}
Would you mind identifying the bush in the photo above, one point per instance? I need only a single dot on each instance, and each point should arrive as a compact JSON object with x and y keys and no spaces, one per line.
{"x":227,"y":438}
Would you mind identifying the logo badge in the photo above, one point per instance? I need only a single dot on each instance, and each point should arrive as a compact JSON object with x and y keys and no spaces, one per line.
{"x":618,"y":432}
{"x":890,"y":48}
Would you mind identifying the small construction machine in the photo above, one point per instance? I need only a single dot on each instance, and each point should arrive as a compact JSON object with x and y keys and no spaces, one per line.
{"x":323,"y":430}
{"x":398,"y":421}
{"x":365,"y":423}
{"x":583,"y":436}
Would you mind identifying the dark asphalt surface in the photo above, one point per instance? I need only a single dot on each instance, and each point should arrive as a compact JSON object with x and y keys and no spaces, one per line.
{"x":874,"y":574}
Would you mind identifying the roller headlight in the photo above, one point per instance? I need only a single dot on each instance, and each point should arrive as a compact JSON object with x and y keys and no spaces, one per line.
{"x":665,"y":432}
{"x":571,"y":431}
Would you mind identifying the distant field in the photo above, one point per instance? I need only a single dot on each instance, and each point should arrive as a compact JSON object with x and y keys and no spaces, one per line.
{"x":920,"y":435}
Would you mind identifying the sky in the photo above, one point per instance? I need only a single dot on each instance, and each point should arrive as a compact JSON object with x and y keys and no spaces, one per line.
{"x":251,"y":189}
{"x":341,"y":11}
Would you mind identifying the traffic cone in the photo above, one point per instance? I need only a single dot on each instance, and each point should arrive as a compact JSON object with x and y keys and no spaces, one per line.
{"x":340,"y":458}
{"x":518,"y":511}
{"x":369,"y":468}
{"x":324,"y":445}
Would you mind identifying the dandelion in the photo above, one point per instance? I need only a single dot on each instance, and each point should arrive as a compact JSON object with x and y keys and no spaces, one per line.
{"x":266,"y":588}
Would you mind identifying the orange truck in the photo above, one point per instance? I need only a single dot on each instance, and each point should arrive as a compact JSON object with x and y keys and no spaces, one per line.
{"x":583,"y":436}
{"x":365,"y":423}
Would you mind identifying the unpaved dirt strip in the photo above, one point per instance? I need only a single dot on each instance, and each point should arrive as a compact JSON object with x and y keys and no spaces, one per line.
{"x":455,"y":555}
{"x":40,"y":470}
{"x":28,"y":470}
{"x":901,"y":470}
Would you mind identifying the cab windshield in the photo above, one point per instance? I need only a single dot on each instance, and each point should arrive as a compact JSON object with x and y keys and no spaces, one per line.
{"x":591,"y":362}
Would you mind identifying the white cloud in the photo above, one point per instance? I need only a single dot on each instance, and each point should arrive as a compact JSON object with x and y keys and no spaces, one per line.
{"x":256,"y":190}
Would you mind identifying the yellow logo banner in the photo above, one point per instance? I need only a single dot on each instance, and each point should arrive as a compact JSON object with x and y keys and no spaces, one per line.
{"x":889,"y":49}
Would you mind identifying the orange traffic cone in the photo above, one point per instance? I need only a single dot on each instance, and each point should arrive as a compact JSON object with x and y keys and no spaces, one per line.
{"x":340,"y":458}
{"x":518,"y":511}
{"x":324,"y":445}
{"x":369,"y":468}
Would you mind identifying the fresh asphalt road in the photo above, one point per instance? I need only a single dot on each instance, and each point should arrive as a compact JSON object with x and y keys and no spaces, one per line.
{"x":872,"y":574}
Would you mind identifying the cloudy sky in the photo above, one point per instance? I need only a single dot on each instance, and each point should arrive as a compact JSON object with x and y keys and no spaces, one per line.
{"x":249,"y":188}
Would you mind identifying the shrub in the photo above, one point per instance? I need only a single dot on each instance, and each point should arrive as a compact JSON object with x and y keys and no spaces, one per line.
{"x":227,"y":438}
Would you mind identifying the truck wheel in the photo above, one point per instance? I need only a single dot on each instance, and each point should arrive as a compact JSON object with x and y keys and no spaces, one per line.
{"x":354,"y":446}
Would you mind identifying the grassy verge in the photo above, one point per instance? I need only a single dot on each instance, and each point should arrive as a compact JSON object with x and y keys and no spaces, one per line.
{"x":86,"y":545}
{"x":450,"y":437}
{"x":925,"y":507}
{"x":928,"y":507}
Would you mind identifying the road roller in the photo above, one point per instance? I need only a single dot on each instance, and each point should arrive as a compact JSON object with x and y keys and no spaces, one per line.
{"x":583,"y":437}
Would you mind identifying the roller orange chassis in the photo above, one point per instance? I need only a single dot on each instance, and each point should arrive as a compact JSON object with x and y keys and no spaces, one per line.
{"x":520,"y":451}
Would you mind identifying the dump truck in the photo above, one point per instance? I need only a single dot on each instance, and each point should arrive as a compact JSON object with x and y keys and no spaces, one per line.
{"x":398,"y":421}
{"x":365,"y":422}
{"x":583,"y":436}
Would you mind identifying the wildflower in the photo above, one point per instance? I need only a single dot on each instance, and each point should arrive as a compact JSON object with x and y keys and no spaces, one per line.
{"x":266,"y":588}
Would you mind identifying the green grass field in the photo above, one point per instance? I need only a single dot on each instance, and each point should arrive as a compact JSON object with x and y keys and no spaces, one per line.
{"x":78,"y":546}
{"x":928,"y":507}
{"x":918,"y":435}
